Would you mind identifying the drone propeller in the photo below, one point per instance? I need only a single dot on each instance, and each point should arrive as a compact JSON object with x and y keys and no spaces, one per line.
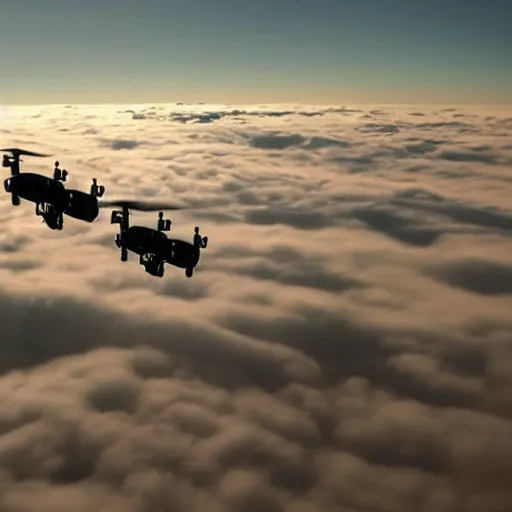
{"x":16,"y":152}
{"x":141,"y":205}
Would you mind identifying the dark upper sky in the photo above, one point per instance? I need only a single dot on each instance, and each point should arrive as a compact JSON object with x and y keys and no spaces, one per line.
{"x":323,"y":51}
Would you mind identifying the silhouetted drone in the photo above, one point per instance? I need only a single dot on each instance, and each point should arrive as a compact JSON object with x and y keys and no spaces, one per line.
{"x":152,"y":245}
{"x":51,"y":197}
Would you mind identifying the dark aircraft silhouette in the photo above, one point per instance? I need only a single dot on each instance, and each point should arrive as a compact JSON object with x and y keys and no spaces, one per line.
{"x":51,"y":197}
{"x":53,"y":200}
{"x":152,"y":245}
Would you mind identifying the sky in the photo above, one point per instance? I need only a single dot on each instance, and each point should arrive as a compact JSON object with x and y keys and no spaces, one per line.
{"x":228,"y":51}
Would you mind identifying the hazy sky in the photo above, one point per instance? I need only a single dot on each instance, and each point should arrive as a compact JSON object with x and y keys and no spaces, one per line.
{"x":322,"y":51}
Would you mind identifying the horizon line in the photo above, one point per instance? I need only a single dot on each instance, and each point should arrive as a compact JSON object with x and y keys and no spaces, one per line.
{"x":302,"y":104}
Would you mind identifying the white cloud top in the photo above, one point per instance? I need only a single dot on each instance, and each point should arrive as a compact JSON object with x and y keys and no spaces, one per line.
{"x":344,"y":344}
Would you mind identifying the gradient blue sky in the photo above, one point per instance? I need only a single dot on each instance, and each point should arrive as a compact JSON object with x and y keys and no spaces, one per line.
{"x":228,"y":51}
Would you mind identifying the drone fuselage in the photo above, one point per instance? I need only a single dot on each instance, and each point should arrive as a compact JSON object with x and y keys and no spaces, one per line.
{"x":142,"y":240}
{"x":43,"y":190}
{"x":38,"y":189}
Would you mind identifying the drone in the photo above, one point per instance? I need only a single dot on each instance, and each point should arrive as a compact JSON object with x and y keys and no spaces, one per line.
{"x":51,"y":197}
{"x":153,"y":246}
{"x":53,"y":200}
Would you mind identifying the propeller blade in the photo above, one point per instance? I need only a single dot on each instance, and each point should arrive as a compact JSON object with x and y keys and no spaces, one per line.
{"x":19,"y":152}
{"x":142,"y":206}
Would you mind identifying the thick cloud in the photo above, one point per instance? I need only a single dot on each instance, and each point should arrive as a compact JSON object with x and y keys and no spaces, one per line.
{"x":344,"y":345}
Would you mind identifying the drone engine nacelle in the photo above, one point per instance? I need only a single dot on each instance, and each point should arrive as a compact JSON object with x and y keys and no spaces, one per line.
{"x":164,"y":225}
{"x":60,"y":175}
{"x":117,"y":217}
{"x":97,"y":190}
{"x":82,"y":206}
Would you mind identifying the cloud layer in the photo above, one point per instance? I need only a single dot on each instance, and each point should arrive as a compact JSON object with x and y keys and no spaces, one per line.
{"x":344,"y":345}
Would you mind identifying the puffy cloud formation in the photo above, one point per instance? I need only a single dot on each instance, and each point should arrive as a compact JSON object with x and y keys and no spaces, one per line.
{"x":344,"y":345}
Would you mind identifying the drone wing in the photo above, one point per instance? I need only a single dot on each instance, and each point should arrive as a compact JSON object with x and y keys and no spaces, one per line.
{"x":142,"y":206}
{"x":19,"y":152}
